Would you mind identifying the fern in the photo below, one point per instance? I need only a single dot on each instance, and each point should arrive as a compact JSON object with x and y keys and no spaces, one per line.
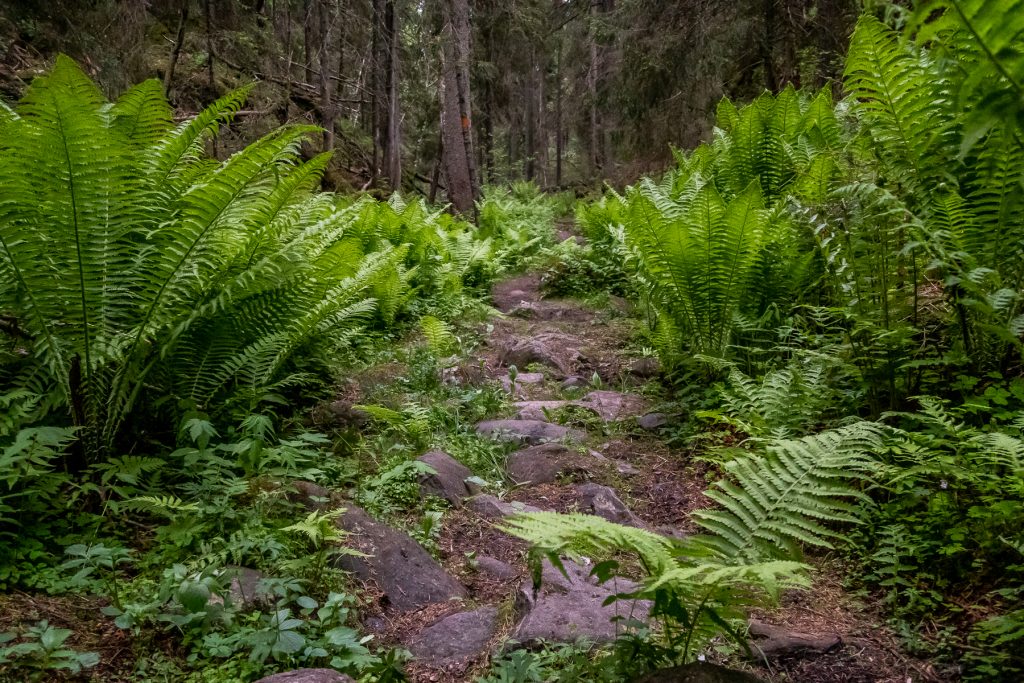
{"x":126,"y":256}
{"x":771,"y":503}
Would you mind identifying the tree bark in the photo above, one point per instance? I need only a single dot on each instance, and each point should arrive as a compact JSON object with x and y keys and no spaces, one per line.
{"x":209,"y":48}
{"x":393,"y":130}
{"x":327,"y":107}
{"x":456,"y":121}
{"x":179,"y":40}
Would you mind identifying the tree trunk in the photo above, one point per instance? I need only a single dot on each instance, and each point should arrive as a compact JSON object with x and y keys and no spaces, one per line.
{"x":393,"y":131}
{"x":768,"y":47}
{"x":209,"y":48}
{"x":558,"y":117}
{"x":456,"y":122}
{"x":327,"y":108}
{"x":179,"y":40}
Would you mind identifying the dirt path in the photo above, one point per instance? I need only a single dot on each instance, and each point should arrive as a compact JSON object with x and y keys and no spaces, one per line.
{"x":565,"y":351}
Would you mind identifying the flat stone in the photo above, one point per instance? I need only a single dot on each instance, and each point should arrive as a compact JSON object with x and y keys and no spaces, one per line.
{"x":774,"y":641}
{"x":487,"y":505}
{"x":308,"y":676}
{"x":448,"y":480}
{"x":652,"y":421}
{"x":496,"y":568}
{"x":574,"y":382}
{"x":406,"y":573}
{"x":456,"y":637}
{"x":645,"y":368}
{"x":603,"y":502}
{"x":607,"y":405}
{"x":464,"y":374}
{"x":527,"y":431}
{"x":245,"y":589}
{"x":567,"y":609}
{"x":522,"y":379}
{"x":698,"y":672}
{"x":613,"y":405}
{"x":538,"y":410}
{"x":310,"y":496}
{"x":340,"y":415}
{"x":625,"y":469}
{"x":554,"y":349}
{"x":543,"y":464}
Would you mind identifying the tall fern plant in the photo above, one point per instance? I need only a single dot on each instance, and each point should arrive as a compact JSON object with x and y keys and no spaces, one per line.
{"x":128,"y":259}
{"x":713,"y":239}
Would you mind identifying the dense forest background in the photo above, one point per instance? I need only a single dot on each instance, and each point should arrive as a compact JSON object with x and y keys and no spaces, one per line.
{"x":562,"y":92}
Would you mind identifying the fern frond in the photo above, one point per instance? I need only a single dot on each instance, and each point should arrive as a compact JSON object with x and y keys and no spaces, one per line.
{"x":770,"y":503}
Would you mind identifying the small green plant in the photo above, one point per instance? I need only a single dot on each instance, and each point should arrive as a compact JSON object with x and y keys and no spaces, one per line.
{"x":41,"y":650}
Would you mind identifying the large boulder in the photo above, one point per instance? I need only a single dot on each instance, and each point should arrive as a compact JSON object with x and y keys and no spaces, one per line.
{"x":602,"y":501}
{"x":543,"y":464}
{"x":448,"y":480}
{"x":527,"y":431}
{"x":456,"y":637}
{"x":308,"y":676}
{"x":406,"y":573}
{"x":570,"y":607}
{"x":554,"y":349}
{"x":698,"y":672}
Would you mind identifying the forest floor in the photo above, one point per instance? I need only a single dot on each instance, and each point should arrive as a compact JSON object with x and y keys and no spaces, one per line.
{"x":568,"y":354}
{"x":574,"y":347}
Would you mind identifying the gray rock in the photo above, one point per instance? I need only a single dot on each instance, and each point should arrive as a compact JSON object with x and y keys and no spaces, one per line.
{"x":457,"y":637}
{"x":774,"y":641}
{"x":607,"y":405}
{"x":625,"y":469}
{"x":308,"y":676}
{"x":613,"y":405}
{"x":340,"y":414}
{"x":409,"y":577}
{"x":527,"y":431}
{"x":310,"y":496}
{"x":448,"y":480}
{"x":488,"y":506}
{"x":538,"y":410}
{"x":605,"y":503}
{"x":569,"y":608}
{"x":522,"y":379}
{"x":645,"y":368}
{"x":574,"y":382}
{"x":245,"y":589}
{"x":698,"y":672}
{"x":652,"y":421}
{"x":496,"y":568}
{"x":554,"y":349}
{"x":543,"y":464}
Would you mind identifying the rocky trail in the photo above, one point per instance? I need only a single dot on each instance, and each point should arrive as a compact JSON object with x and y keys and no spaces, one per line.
{"x":476,"y":599}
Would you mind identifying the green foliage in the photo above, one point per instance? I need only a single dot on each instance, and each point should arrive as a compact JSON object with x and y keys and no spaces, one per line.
{"x":946,"y":522}
{"x":40,"y":651}
{"x":714,"y":230}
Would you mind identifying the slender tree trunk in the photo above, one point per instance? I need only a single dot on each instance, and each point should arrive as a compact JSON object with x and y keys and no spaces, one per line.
{"x":456,"y":121}
{"x":595,"y":134}
{"x":327,"y":108}
{"x":768,"y":47}
{"x":308,"y":39}
{"x":209,"y":47}
{"x":393,"y":132}
{"x":558,"y":116}
{"x":179,"y":40}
